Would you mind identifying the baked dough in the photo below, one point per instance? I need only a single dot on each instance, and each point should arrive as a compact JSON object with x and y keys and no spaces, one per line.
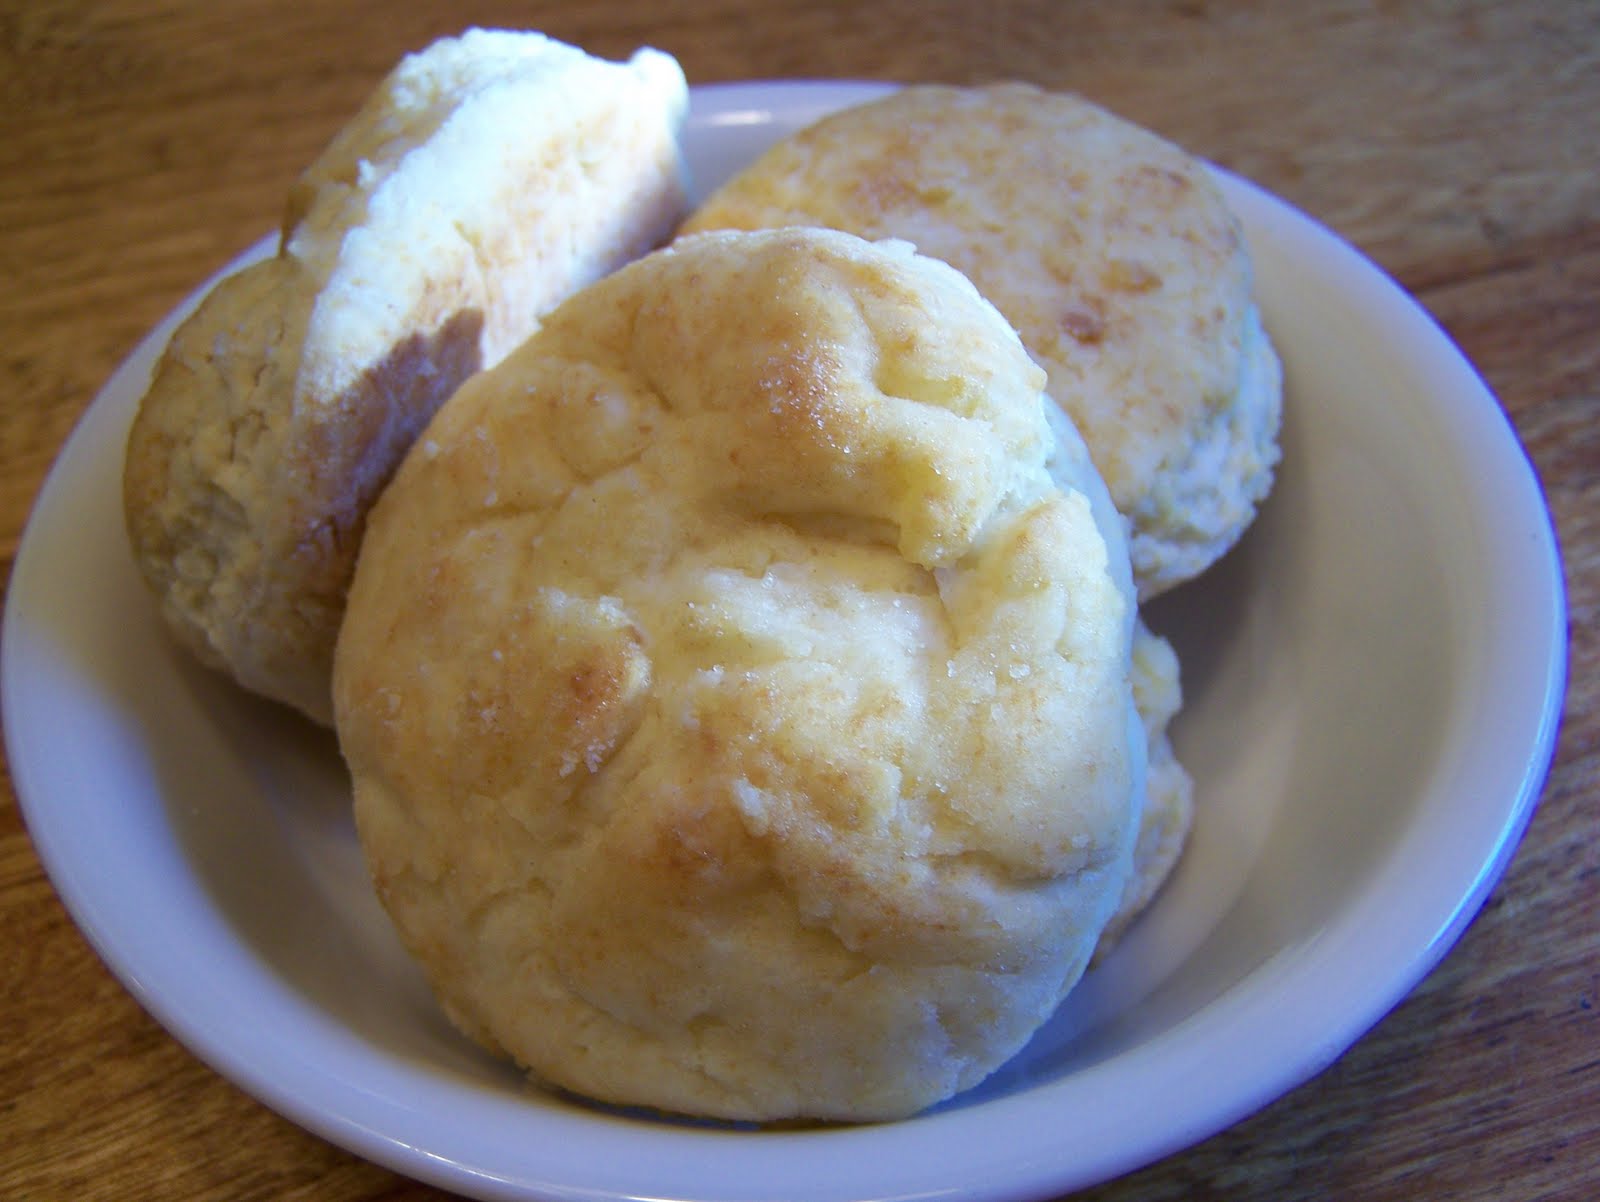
{"x":1112,"y":251}
{"x":487,"y":178}
{"x":1168,"y":811}
{"x":1167,"y":807}
{"x":739,"y":709}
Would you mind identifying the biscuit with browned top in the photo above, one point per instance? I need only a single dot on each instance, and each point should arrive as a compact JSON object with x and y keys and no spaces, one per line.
{"x":738,"y":708}
{"x":1112,"y":251}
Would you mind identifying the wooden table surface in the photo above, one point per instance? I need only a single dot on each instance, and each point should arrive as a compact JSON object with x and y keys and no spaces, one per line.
{"x":143,"y":143}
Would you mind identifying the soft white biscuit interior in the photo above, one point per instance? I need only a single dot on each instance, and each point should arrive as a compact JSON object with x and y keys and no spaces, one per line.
{"x":739,"y":712}
{"x":514,"y":165}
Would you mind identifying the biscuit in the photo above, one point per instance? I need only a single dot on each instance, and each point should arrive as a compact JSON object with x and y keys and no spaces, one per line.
{"x":487,"y":178}
{"x":1168,"y":811}
{"x":1112,"y":251}
{"x":739,"y":710}
{"x":1167,"y":806}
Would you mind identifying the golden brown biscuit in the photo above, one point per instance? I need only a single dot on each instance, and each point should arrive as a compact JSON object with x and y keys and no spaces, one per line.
{"x":487,"y":178}
{"x":1113,"y":253}
{"x":739,"y":712}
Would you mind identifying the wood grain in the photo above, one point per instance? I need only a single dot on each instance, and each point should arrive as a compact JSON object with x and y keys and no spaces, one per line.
{"x":143,"y":143}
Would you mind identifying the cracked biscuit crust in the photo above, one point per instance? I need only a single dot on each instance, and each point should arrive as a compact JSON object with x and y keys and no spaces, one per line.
{"x":1113,"y":253}
{"x":486,"y":179}
{"x":739,"y":713}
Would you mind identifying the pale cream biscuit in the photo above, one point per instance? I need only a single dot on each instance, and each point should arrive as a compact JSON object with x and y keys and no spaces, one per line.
{"x":487,"y":178}
{"x":1167,"y":806}
{"x":739,"y":710}
{"x":1168,"y":812}
{"x":1113,"y":252}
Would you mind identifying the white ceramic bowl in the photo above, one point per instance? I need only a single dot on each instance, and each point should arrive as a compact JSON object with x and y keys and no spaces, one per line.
{"x":1373,"y":681}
